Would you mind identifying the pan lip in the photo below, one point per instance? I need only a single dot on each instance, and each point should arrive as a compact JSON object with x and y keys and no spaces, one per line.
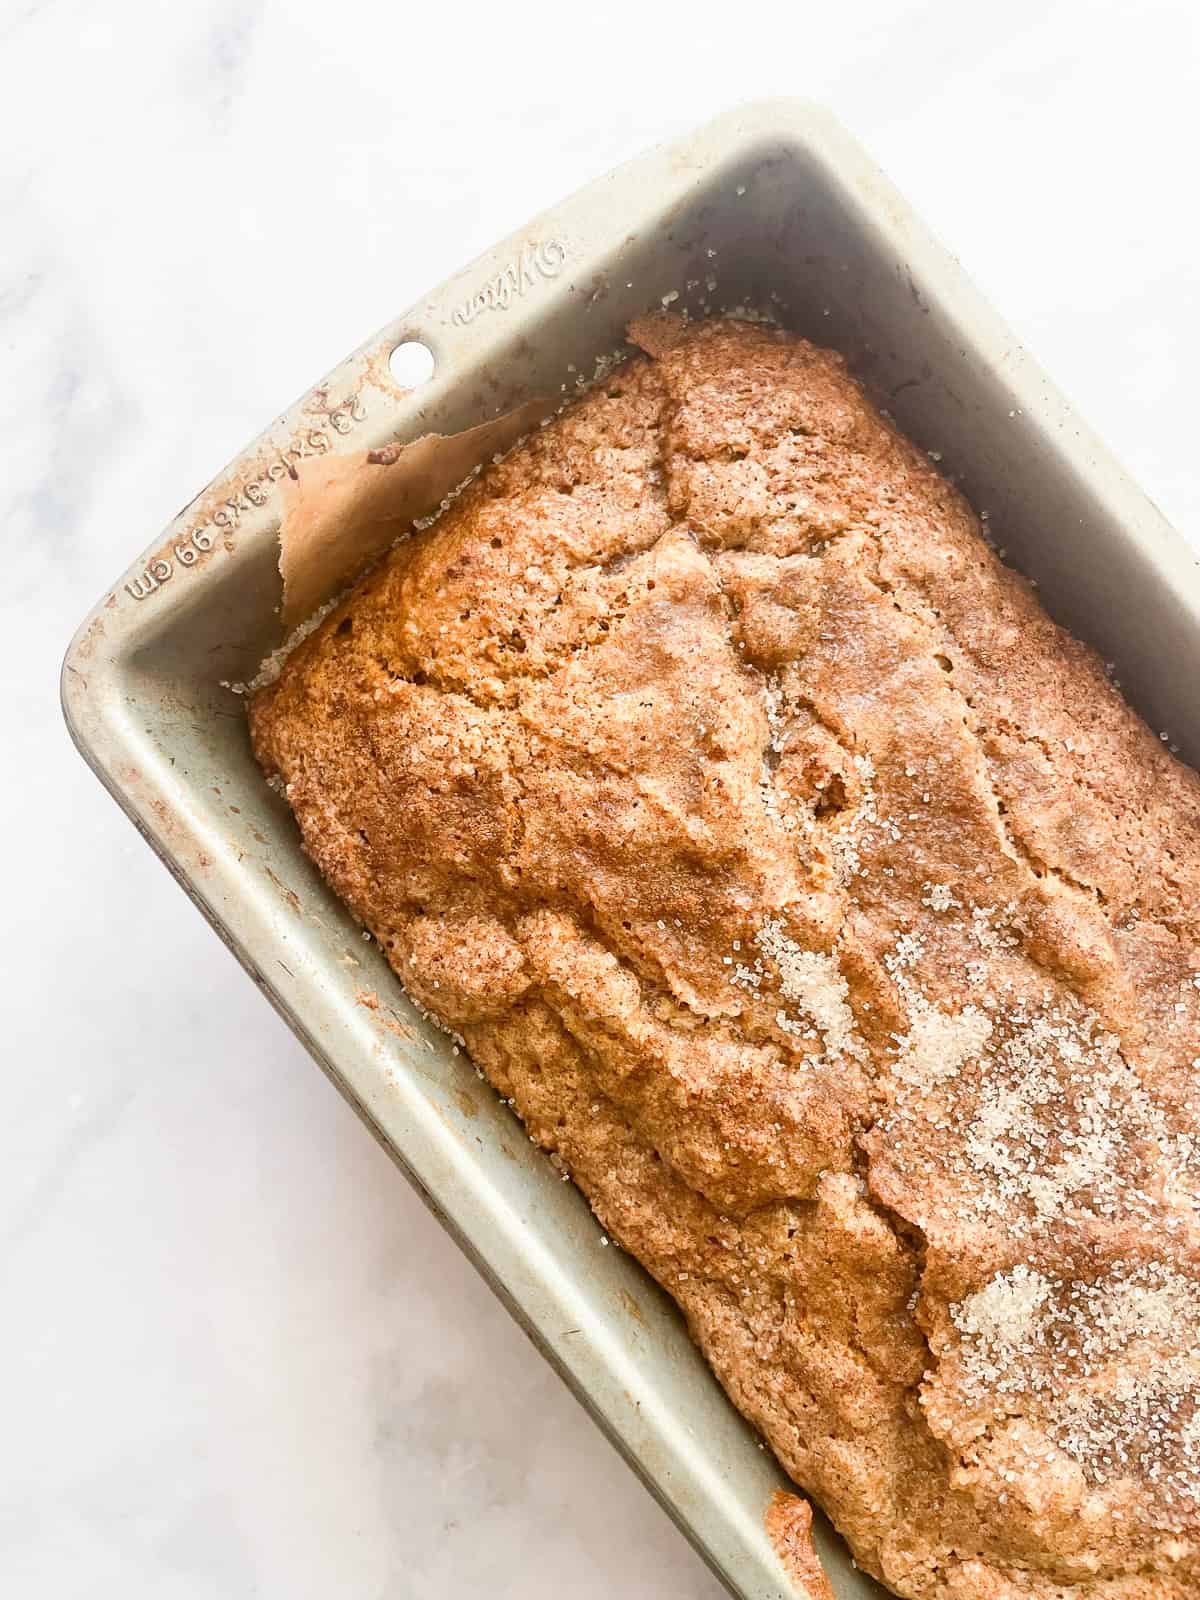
{"x":99,"y":692}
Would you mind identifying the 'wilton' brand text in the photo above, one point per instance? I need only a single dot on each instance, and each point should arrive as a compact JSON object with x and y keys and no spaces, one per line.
{"x":535,"y":261}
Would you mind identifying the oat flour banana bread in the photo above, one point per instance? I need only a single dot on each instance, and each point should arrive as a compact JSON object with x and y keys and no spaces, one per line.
{"x":825,"y":911}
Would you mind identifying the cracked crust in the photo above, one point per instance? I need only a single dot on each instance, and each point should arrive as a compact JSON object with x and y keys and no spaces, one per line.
{"x":824,"y":909}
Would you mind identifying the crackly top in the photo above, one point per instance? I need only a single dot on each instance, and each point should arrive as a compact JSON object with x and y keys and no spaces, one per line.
{"x":829,"y":916}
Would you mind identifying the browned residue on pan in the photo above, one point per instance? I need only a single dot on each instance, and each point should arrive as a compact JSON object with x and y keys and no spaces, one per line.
{"x":465,"y":1102}
{"x":290,"y":895}
{"x":631,"y":1306}
{"x":383,"y":1014}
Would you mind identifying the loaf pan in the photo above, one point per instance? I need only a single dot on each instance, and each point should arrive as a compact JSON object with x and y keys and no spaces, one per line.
{"x":768,"y":206}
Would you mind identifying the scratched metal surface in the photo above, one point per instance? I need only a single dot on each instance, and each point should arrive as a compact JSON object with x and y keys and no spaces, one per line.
{"x":772,"y":201}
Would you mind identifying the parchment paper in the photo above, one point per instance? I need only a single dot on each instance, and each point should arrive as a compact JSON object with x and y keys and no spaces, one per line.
{"x":341,"y":512}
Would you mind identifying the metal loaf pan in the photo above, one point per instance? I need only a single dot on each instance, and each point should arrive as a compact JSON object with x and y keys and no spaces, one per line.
{"x":776,"y":203}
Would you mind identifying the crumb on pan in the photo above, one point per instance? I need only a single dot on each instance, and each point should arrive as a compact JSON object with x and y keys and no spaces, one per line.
{"x":788,"y":1522}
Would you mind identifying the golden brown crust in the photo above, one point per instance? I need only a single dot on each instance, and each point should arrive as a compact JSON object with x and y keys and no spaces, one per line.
{"x":823,"y":907}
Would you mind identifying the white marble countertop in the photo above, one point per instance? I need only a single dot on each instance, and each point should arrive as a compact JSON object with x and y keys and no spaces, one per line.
{"x":237,"y":1356}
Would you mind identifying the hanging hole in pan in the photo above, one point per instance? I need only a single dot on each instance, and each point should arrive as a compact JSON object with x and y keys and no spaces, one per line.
{"x":411,"y":363}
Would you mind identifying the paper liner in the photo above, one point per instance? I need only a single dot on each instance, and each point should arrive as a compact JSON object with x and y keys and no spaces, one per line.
{"x":341,"y":512}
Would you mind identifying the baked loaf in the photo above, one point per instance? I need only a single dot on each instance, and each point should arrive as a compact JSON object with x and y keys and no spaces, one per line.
{"x":823,"y":908}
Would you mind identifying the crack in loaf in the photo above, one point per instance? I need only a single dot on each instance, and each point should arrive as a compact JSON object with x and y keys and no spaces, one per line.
{"x":822,"y":907}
